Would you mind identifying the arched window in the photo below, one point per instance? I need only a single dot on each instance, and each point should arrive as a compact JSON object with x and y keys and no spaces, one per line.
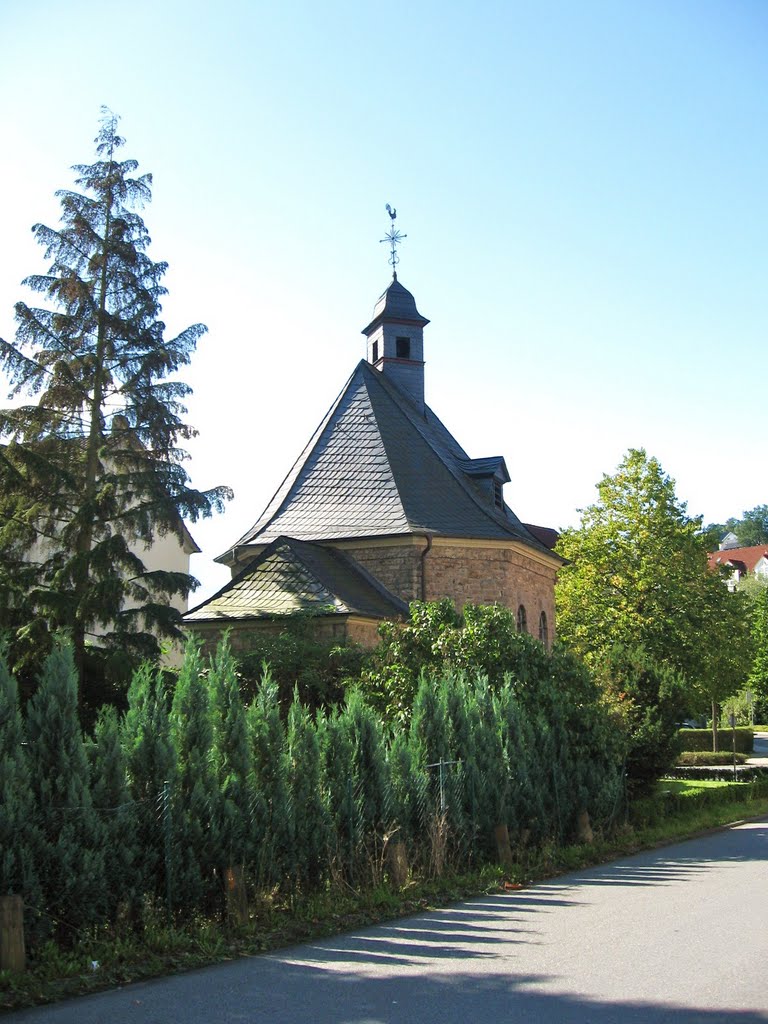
{"x":522,"y":619}
{"x":544,"y":629}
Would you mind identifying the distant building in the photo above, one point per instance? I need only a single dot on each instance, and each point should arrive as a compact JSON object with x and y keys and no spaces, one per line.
{"x":742,"y":562}
{"x":384,"y":507}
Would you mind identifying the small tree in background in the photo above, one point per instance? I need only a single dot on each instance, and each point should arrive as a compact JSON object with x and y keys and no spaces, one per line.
{"x":95,"y":465}
{"x":71,"y":864}
{"x":758,"y":676}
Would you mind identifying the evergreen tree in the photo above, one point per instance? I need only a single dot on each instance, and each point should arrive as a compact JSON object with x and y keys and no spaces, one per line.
{"x":19,"y":835}
{"x":311,"y":820}
{"x":93,"y":470}
{"x":116,"y":810}
{"x":71,"y":866}
{"x":272,"y":801}
{"x":197,"y":801}
{"x":339,"y":788}
{"x":150,"y":761}
{"x":232,"y":756}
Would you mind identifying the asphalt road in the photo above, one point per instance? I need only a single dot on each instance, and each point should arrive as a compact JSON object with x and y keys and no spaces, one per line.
{"x":678,"y":935}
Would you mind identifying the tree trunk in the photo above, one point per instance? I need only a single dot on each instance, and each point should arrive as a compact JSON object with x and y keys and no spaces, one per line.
{"x":715,"y":717}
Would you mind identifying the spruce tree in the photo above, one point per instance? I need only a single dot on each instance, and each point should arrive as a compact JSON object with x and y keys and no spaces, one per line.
{"x":71,"y":865}
{"x":93,"y":471}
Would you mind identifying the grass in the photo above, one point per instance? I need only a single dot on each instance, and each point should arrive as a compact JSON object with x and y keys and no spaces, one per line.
{"x":677,"y":810}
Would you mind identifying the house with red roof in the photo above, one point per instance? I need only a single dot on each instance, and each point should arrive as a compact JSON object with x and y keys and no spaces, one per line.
{"x":741,"y":562}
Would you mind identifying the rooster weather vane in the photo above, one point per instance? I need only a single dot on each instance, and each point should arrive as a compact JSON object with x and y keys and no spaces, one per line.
{"x":394,"y":237}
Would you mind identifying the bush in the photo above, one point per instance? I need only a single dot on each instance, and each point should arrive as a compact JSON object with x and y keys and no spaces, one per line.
{"x":701,"y":739}
{"x":647,"y":698}
{"x":697,"y":757}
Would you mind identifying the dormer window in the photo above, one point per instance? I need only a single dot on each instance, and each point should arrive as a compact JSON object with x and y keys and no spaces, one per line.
{"x":403,"y":348}
{"x":498,"y":493}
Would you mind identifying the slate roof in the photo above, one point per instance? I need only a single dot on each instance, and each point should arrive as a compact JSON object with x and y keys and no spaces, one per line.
{"x":379,"y":466}
{"x":291,"y":576}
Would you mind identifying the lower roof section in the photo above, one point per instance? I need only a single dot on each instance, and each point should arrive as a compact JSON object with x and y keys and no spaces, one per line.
{"x":291,"y":576}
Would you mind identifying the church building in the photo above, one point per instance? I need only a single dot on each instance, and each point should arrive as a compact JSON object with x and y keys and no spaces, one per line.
{"x":383,"y":507}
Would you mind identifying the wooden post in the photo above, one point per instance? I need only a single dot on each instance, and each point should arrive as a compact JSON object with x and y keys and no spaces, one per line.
{"x":397,"y":862}
{"x":237,"y":898}
{"x":503,"y":848}
{"x":12,"y":952}
{"x":584,"y":829}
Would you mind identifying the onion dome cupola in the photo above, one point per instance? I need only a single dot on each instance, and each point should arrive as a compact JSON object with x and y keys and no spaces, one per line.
{"x":396,"y":340}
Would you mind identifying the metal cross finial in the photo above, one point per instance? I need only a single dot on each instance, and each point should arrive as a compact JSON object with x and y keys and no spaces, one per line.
{"x":394,"y":237}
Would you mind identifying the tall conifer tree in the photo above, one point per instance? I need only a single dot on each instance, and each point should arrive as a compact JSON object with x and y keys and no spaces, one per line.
{"x":232,"y":756}
{"x":150,"y":760}
{"x":96,"y":463}
{"x":71,"y":865}
{"x":19,"y":835}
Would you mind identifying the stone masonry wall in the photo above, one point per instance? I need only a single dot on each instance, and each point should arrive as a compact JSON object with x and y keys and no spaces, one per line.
{"x":398,"y":568}
{"x":468,"y":575}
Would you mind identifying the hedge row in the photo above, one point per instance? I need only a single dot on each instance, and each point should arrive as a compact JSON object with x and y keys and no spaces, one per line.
{"x":701,"y":739}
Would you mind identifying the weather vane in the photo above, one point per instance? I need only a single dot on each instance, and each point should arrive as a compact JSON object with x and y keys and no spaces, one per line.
{"x":394,"y":237}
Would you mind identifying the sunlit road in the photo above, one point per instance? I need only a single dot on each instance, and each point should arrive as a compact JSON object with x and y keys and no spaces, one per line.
{"x":679,"y":935}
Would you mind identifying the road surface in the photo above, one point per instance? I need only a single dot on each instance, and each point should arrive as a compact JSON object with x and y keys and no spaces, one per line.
{"x":678,"y":935}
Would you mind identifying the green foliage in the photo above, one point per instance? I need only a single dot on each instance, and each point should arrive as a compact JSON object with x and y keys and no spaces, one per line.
{"x":699,"y":757}
{"x":298,"y":658}
{"x":310,"y":815}
{"x":758,"y":675}
{"x":150,"y":763}
{"x":71,"y":859}
{"x":116,"y":810}
{"x":94,"y":469}
{"x":649,"y":700}
{"x":701,"y":739}
{"x":231,"y":755}
{"x":752,"y":528}
{"x":484,"y":639}
{"x":197,"y":806}
{"x":637,"y":576}
{"x":19,"y":833}
{"x":272,"y":809}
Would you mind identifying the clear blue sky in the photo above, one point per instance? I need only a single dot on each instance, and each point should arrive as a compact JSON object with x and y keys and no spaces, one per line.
{"x":584,"y":186}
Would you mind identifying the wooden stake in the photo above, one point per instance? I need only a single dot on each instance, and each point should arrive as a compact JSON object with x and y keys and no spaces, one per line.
{"x":503,"y":849}
{"x":12,"y":952}
{"x":237,"y":898}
